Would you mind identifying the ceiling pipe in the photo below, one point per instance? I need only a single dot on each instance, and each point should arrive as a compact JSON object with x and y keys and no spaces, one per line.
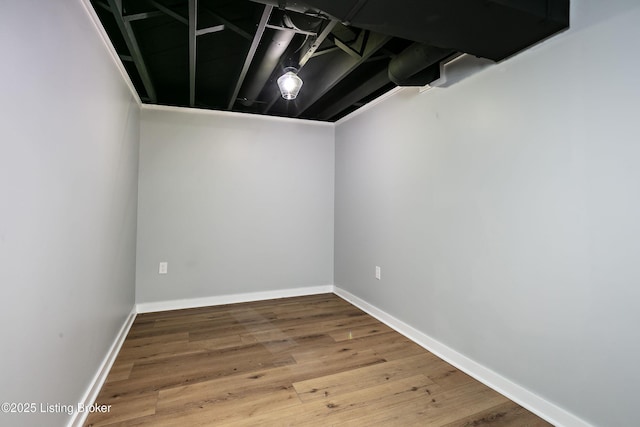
{"x":410,"y":67}
{"x":291,"y":24}
{"x":276,"y":48}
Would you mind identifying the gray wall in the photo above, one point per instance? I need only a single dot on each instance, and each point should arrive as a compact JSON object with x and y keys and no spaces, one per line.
{"x":504,"y":212}
{"x":68,"y":188}
{"x":234,"y":203}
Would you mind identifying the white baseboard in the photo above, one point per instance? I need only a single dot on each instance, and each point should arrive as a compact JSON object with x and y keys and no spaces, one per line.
{"x":148,"y":307}
{"x":78,"y":418}
{"x":525,"y":398}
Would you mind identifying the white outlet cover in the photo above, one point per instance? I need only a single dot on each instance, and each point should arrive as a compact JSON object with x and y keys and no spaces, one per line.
{"x":163,"y":267}
{"x":378,"y":272}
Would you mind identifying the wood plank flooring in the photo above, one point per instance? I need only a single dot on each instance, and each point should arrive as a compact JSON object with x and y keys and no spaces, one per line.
{"x":305,"y":361}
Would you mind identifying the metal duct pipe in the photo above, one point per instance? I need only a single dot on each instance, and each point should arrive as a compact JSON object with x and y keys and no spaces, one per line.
{"x":276,"y":48}
{"x":409,"y":68}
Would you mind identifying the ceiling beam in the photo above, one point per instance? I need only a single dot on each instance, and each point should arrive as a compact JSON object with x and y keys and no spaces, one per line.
{"x":264,"y":20}
{"x":164,"y":9}
{"x":214,"y":29}
{"x":345,"y":47}
{"x":321,"y":81}
{"x":316,"y":43}
{"x":295,"y":30}
{"x":228,"y":24}
{"x":324,"y":51}
{"x":134,"y":48}
{"x":310,"y":53}
{"x":143,"y":15}
{"x":209,"y":30}
{"x":193,"y":36}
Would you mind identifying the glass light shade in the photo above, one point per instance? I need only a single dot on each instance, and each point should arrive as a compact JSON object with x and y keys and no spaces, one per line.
{"x":289,"y":84}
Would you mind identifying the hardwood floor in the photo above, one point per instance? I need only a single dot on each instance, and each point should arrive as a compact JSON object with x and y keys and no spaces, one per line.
{"x":305,"y":361}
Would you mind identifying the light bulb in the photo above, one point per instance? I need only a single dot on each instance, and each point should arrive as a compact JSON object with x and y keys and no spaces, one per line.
{"x":289,"y":84}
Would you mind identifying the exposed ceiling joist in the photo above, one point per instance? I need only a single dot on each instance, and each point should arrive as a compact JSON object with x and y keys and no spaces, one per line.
{"x":316,"y":43}
{"x":304,"y":60}
{"x":338,"y":68}
{"x":193,"y":40}
{"x":262,"y":25}
{"x":164,"y":9}
{"x":209,"y":30}
{"x":228,"y":24}
{"x":341,"y":48}
{"x":324,"y":51}
{"x":294,"y":30}
{"x":346,"y":48}
{"x":143,"y":15}
{"x":134,"y":48}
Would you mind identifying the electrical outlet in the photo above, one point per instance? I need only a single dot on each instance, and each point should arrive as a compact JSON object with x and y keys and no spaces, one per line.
{"x":377,"y":272}
{"x":162,"y":269}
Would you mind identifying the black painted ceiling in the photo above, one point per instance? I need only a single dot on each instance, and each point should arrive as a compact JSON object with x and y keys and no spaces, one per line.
{"x":227,"y":54}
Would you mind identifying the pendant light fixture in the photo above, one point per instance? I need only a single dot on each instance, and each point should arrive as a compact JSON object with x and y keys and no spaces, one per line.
{"x":289,"y":83}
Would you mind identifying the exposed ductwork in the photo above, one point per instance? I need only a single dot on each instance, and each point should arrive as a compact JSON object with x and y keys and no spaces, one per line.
{"x":275,"y":52}
{"x":456,"y":26}
{"x":413,"y":66}
{"x":276,"y":47}
{"x":228,"y":55}
{"x":494,"y":29}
